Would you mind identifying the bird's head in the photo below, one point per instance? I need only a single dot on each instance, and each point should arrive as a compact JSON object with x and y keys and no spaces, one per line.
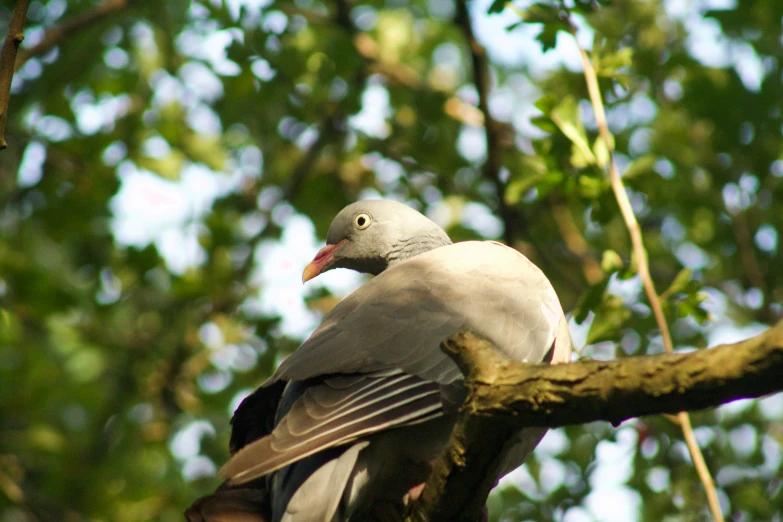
{"x":369,"y":236}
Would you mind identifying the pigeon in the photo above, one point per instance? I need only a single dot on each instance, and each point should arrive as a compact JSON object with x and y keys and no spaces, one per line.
{"x":249,"y":501}
{"x":366,"y":404}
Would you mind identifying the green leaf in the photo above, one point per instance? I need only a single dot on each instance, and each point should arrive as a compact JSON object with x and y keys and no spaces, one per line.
{"x":513,"y":26}
{"x":590,"y":300}
{"x":609,"y":320}
{"x":542,"y":14}
{"x":533,"y":170}
{"x":591,"y":186}
{"x":609,"y":64}
{"x":45,"y":437}
{"x":640,"y":166}
{"x":548,"y":37}
{"x":497,"y":6}
{"x":553,"y":19}
{"x":678,"y":285}
{"x":604,"y":207}
{"x":566,"y":117}
{"x":611,"y":261}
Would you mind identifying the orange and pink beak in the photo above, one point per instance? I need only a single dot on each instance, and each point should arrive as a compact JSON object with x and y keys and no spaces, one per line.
{"x":321,"y":262}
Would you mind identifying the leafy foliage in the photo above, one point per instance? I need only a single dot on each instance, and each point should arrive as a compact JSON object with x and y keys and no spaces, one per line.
{"x":160,"y":154}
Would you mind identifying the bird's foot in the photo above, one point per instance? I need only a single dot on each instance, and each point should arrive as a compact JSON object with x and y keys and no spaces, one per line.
{"x":413,"y":494}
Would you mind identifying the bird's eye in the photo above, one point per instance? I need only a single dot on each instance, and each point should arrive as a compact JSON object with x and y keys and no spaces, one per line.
{"x":362,"y":220}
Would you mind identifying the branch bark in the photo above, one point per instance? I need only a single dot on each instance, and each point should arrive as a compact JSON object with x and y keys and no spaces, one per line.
{"x":505,"y":396}
{"x":13,"y":39}
{"x":57,"y":34}
{"x":640,"y":255}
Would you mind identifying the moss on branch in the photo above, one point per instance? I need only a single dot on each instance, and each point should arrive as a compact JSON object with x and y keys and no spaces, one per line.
{"x":506,"y":396}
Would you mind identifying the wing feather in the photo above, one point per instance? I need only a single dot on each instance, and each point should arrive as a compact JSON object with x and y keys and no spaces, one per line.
{"x":325,"y":416}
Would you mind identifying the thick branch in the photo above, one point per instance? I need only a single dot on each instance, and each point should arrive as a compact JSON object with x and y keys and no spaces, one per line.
{"x":461,"y":480}
{"x":13,"y":39}
{"x":57,"y":34}
{"x":506,"y":396}
{"x":618,"y":390}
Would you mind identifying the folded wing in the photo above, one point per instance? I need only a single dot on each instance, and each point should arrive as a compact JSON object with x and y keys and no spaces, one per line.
{"x":335,"y":411}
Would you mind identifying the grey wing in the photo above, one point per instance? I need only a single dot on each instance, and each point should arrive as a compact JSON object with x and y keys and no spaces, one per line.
{"x":392,"y":321}
{"x":333,"y":412}
{"x":398,"y":319}
{"x":318,"y":497}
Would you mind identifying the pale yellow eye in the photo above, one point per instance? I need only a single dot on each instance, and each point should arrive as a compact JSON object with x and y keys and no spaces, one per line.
{"x":362,"y":220}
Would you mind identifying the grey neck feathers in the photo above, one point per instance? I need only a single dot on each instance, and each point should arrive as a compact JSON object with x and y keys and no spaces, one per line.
{"x":407,"y":248}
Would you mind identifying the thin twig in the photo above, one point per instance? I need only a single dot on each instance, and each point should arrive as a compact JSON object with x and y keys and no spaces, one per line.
{"x":673,"y":418}
{"x":57,"y":34}
{"x":576,"y":243}
{"x":329,"y":126}
{"x":512,"y":220}
{"x":640,"y":254}
{"x":13,"y":40}
{"x":750,"y":263}
{"x":400,"y":74}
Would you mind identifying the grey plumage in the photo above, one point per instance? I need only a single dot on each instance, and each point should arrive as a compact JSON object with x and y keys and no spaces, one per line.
{"x":396,"y":232}
{"x":371,"y":384}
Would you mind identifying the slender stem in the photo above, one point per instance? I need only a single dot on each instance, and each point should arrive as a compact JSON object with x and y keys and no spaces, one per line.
{"x":13,"y":39}
{"x":640,"y":254}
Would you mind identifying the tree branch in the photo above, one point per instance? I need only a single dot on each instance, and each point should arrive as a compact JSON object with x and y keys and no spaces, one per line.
{"x":13,"y":39}
{"x":57,"y":34}
{"x":750,"y":262}
{"x":329,"y":126}
{"x":640,"y":255}
{"x":576,"y":243}
{"x":505,"y":396}
{"x":460,"y":481}
{"x":512,"y":220}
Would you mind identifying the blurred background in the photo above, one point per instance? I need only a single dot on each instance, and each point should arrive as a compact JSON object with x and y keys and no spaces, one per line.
{"x":172,"y":166}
